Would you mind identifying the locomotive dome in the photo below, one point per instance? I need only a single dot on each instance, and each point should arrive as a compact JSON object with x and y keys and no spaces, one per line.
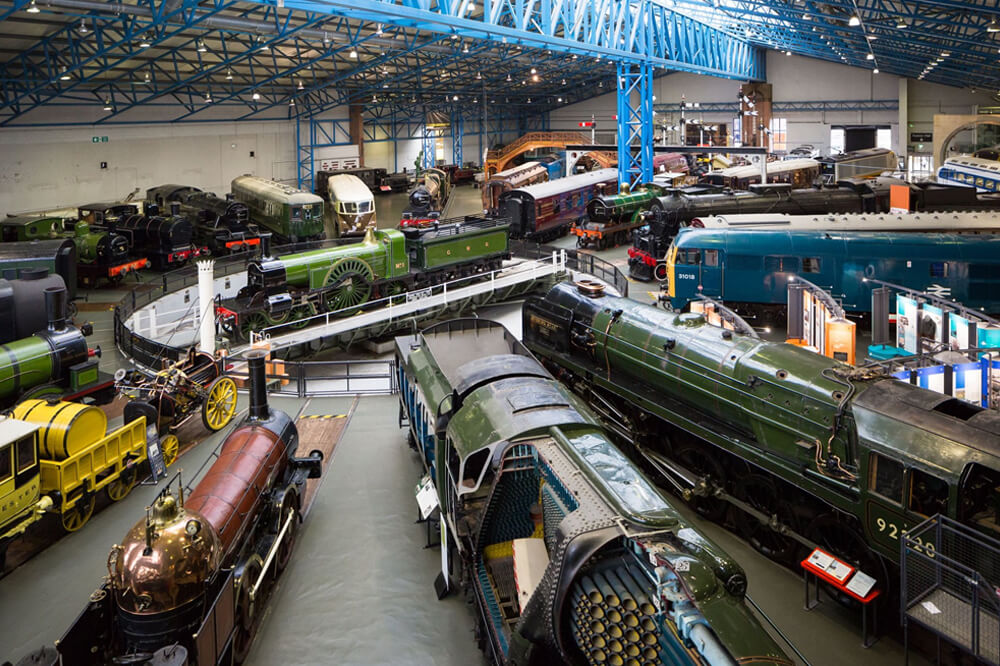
{"x":164,"y":560}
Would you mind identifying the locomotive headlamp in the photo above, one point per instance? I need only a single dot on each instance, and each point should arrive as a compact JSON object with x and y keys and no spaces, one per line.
{"x":192,"y":528}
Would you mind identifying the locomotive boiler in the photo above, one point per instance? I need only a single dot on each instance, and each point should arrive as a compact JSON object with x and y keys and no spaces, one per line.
{"x":570,"y":554}
{"x":798,"y":449}
{"x":610,"y":219}
{"x":190,"y":580}
{"x":430,"y":193}
{"x":54,"y":361}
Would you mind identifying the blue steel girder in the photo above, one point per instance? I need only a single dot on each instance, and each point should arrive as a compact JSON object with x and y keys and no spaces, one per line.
{"x":457,"y":137}
{"x":820,"y":29}
{"x":34,"y":74}
{"x":623,"y":30}
{"x":635,"y":124}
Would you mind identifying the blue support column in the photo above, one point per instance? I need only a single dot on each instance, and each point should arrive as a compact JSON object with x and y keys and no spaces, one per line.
{"x":635,"y":123}
{"x":429,"y":147}
{"x":457,"y":138}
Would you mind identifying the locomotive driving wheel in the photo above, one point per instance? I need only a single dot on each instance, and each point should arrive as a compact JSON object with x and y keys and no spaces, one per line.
{"x":246,"y":609}
{"x":289,"y":514}
{"x":350,"y":280}
{"x":300,"y":313}
{"x":123,"y":484}
{"x":77,"y":516}
{"x":761,"y":493}
{"x":220,"y":404}
{"x":170,"y":448}
{"x":252,"y":321}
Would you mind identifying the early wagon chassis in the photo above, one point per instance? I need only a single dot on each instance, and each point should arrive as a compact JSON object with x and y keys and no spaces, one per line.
{"x":195,"y":384}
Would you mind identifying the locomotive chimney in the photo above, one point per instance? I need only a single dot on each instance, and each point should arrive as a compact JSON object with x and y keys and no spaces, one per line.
{"x":150,"y":209}
{"x":175,"y":208}
{"x":55,"y":307}
{"x":265,"y":246}
{"x":258,"y":384}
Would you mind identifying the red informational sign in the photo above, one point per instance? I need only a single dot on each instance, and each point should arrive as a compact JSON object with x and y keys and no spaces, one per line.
{"x":588,"y":123}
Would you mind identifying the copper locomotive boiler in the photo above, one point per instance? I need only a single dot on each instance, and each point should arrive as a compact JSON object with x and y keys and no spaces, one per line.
{"x":192,"y":576}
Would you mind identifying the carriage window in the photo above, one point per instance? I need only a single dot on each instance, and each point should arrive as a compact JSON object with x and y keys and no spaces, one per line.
{"x":473,"y":468}
{"x":781,"y":264}
{"x":928,"y":494}
{"x":25,"y":453}
{"x":980,"y":498}
{"x":810,"y":264}
{"x":887,"y":478}
{"x":296,"y":212}
{"x":939,"y":269}
{"x":691,"y":257}
{"x":711,"y":257}
{"x":5,"y":463}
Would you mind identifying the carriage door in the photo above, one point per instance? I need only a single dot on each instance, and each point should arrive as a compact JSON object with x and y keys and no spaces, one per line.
{"x":712,"y":267}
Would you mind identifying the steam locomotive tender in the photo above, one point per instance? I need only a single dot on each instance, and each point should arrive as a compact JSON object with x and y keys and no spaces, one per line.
{"x":294,"y":287}
{"x":188,"y":582}
{"x":569,"y":553}
{"x":815,"y":452}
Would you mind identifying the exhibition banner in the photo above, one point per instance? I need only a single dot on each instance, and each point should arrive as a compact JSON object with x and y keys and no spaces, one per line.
{"x":906,"y":323}
{"x":959,"y":332}
{"x":931,"y":327}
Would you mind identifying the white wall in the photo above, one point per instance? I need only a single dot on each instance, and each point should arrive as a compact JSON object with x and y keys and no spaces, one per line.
{"x":48,"y":168}
{"x":794,"y":78}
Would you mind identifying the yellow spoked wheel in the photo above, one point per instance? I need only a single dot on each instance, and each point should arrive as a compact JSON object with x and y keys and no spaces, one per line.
{"x":220,"y":404}
{"x":275,"y":320}
{"x":122,"y":485}
{"x":77,"y":516}
{"x":170,"y":448}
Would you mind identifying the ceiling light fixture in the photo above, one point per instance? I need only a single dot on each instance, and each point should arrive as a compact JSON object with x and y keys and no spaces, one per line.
{"x":326,"y":42}
{"x":479,"y":76}
{"x":945,"y":54}
{"x":353,"y":53}
{"x":534,"y":77}
{"x":208,"y":97}
{"x":529,"y":100}
{"x":508,"y":78}
{"x":291,"y":102}
{"x":229,"y":75}
{"x":108,"y":106}
{"x":465,"y":49}
{"x":854,"y":20}
{"x":563,"y":82}
{"x":144,"y":42}
{"x":454,"y":98}
{"x":32,"y":8}
{"x":870,"y":56}
{"x":83,"y":27}
{"x":201,"y":47}
{"x":378,"y":30}
{"x":559,"y":100}
{"x":875,"y":71}
{"x":993,"y":26}
{"x":255,"y":96}
{"x":65,"y":75}
{"x":301,"y":85}
{"x":788,"y":53}
{"x":454,"y":36}
{"x":901,"y":24}
{"x":534,"y":71}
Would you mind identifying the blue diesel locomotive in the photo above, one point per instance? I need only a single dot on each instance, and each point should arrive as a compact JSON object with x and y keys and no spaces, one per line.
{"x":750,"y":269}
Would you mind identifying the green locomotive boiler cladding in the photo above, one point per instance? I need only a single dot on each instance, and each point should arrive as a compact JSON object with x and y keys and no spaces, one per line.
{"x":844,"y":458}
{"x":387,"y":262}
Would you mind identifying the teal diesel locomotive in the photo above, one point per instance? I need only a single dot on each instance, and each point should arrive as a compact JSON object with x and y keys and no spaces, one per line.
{"x":569,"y":554}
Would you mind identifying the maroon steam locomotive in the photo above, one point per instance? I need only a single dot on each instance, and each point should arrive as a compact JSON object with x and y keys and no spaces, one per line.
{"x":187,"y":584}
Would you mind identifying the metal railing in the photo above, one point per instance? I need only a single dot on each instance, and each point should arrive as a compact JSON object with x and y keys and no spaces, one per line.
{"x":584,"y":262}
{"x":152,"y":353}
{"x":302,"y":379}
{"x":949,"y":574}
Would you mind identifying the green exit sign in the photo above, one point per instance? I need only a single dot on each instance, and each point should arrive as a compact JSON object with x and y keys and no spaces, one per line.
{"x":98,"y":139}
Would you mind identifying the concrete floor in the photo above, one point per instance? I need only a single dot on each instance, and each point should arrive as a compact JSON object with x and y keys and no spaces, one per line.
{"x":359,"y":588}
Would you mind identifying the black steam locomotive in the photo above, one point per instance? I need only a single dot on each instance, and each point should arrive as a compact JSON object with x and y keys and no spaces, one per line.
{"x":220,"y":225}
{"x":165,"y":239}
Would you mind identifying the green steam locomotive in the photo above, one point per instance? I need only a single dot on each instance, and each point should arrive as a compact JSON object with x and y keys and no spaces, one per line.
{"x":291,"y":214}
{"x":806,"y":451}
{"x":289,"y":289}
{"x":570,"y":554}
